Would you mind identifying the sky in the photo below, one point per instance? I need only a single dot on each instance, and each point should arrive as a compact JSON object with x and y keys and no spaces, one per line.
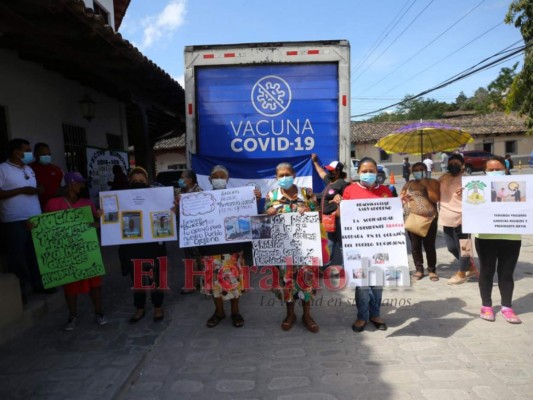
{"x":398,"y":47}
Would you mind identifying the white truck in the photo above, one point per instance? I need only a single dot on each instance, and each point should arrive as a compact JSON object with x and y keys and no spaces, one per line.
{"x":254,"y":105}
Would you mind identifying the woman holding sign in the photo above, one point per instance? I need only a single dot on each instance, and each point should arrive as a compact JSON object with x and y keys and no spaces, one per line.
{"x":223,"y":263}
{"x":75,"y":182}
{"x":499,"y":253}
{"x":367,"y":299}
{"x":290,"y":198}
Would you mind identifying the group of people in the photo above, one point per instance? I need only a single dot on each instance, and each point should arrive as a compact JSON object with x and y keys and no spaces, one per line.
{"x":24,"y":194}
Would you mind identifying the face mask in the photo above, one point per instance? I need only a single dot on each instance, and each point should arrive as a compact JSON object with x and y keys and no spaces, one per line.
{"x":219,"y":183}
{"x":45,"y":160}
{"x":181,"y":183}
{"x":27,"y":158}
{"x":495,"y":173}
{"x":138,"y":185}
{"x":418,"y":175}
{"x":286,"y":182}
{"x":454,"y":169}
{"x":368,"y":178}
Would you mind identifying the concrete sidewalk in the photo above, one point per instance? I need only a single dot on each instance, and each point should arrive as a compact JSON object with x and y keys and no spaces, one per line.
{"x":436,"y":347}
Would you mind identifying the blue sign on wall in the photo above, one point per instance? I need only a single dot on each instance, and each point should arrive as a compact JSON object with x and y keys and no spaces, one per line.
{"x":268,"y":111}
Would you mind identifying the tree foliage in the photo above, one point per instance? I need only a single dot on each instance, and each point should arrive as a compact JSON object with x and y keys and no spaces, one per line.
{"x":520,"y":14}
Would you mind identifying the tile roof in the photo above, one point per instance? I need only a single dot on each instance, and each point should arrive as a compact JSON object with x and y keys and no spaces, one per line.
{"x":479,"y":125}
{"x":170,"y":143}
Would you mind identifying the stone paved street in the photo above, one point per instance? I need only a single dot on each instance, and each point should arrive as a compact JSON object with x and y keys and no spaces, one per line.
{"x":436,"y":347}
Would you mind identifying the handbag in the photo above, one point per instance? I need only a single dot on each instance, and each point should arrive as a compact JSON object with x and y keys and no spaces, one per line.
{"x":328,"y":220}
{"x":417,"y":224}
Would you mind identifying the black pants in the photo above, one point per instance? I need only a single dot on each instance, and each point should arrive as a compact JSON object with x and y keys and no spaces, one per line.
{"x":429,"y":246}
{"x":497,"y":255}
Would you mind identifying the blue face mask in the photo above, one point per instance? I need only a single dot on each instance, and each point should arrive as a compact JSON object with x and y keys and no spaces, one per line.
{"x":418,"y":175}
{"x":28,"y":158}
{"x":45,"y":160}
{"x":286,"y":182}
{"x":181,"y":183}
{"x":495,"y":173}
{"x":368,"y":178}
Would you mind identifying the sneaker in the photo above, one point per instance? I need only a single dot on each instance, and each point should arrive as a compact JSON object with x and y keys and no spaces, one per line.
{"x":101,"y":319}
{"x":456,"y":280}
{"x":71,"y":323}
{"x":487,"y":314}
{"x":509,"y":315}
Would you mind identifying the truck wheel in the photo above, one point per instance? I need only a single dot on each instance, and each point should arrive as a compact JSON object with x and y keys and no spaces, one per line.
{"x":380,"y":178}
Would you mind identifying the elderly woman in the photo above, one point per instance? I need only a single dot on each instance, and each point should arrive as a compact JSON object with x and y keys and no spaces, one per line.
{"x":290,"y":198}
{"x":367,"y":299}
{"x":138,"y":179}
{"x":497,"y":253}
{"x":421,"y":196}
{"x":224,"y":260}
{"x":188,"y":183}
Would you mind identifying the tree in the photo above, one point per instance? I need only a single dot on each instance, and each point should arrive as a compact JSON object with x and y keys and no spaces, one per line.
{"x":480,"y":101}
{"x":520,"y":14}
{"x":461,"y":101}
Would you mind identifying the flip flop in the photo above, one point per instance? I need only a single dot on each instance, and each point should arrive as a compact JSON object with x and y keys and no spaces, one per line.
{"x":433,"y":276}
{"x":214,"y":320}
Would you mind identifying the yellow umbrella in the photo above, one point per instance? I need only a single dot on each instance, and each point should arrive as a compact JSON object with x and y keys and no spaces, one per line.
{"x":423,"y":138}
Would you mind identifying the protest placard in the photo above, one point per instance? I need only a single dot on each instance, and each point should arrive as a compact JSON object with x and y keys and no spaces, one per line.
{"x":498,"y":204}
{"x":100,"y":165}
{"x":287,"y":235}
{"x":373,"y":242}
{"x":137,"y":216}
{"x":66,"y":246}
{"x":217,"y":216}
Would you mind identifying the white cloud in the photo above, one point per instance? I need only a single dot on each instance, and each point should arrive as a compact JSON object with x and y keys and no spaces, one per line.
{"x":180,"y":79}
{"x":166,"y":22}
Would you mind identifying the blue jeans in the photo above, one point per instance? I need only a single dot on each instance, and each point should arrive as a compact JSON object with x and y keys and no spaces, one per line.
{"x":20,"y":255}
{"x":335,"y":247}
{"x":452,"y":237}
{"x":368,"y":302}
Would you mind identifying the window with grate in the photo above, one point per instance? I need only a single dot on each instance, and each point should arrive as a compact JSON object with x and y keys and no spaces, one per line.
{"x":510,"y":147}
{"x":75,"y":141}
{"x":101,"y":11}
{"x":3,"y":133}
{"x":384,"y":156}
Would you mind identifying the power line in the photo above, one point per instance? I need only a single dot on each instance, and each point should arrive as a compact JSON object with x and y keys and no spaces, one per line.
{"x":470,"y":71}
{"x":442,"y":59}
{"x":394,"y":41}
{"x":425,"y":47}
{"x":383,"y":35}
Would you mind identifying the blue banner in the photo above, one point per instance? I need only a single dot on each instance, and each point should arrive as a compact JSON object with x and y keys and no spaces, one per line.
{"x":268,"y":111}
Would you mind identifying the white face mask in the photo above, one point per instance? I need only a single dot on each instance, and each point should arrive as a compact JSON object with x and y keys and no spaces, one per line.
{"x":219,"y":183}
{"x":495,"y":173}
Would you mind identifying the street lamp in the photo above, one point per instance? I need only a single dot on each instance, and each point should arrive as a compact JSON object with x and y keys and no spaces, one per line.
{"x":87,"y":107}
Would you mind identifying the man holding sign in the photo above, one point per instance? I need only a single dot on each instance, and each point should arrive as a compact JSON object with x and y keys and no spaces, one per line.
{"x":91,"y":285}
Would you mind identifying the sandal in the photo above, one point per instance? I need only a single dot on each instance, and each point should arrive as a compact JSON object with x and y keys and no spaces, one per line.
{"x":487,"y":314}
{"x":509,"y":315}
{"x":418,"y":275}
{"x":288,"y":322}
{"x":237,"y":320}
{"x":214,"y":320}
{"x":433,"y":276}
{"x":310,"y":324}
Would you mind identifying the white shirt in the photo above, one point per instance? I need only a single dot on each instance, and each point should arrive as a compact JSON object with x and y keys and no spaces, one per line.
{"x":22,"y":206}
{"x":429,"y":164}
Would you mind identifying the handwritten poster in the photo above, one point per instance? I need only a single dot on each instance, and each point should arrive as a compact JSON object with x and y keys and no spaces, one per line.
{"x":217,"y":216}
{"x":137,"y":216}
{"x":287,"y":235}
{"x":374,"y":243}
{"x":66,"y":246}
{"x":498,"y":204}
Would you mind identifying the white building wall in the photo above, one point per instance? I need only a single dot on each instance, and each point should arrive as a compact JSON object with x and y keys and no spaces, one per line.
{"x":162,"y":161}
{"x":38,"y":102}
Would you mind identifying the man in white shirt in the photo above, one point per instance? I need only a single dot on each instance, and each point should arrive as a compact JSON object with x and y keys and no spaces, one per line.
{"x":19,"y":201}
{"x":444,"y":162}
{"x":429,"y":166}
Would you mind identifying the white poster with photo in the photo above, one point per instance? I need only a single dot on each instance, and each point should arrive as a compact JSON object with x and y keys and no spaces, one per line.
{"x":217,"y":216}
{"x":137,"y":216}
{"x":100,"y":165}
{"x":374,"y":243}
{"x":498,"y":204}
{"x":275,"y":238}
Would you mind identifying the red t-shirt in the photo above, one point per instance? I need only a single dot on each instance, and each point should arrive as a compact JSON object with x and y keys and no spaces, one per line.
{"x":49,"y":177}
{"x":60,"y":203}
{"x":356,"y":191}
